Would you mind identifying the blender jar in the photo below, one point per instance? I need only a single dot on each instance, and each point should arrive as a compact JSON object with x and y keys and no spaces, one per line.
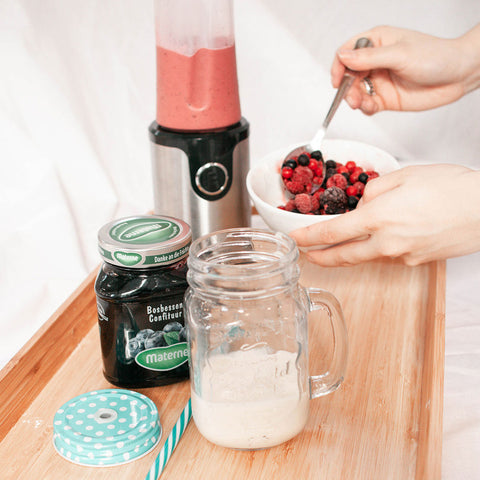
{"x":197,"y":87}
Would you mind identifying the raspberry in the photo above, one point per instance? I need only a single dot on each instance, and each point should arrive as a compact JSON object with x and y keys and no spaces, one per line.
{"x":337,"y":180}
{"x":290,"y":205}
{"x":303,"y":203}
{"x":360,"y":187}
{"x":333,"y":201}
{"x":295,"y":187}
{"x":315,"y":203}
{"x":372,"y":174}
{"x":302,"y":174}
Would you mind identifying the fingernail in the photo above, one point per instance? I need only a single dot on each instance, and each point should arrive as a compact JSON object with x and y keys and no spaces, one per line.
{"x":346,"y":53}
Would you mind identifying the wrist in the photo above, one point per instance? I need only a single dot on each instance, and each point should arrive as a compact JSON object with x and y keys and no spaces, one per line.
{"x":469,"y":48}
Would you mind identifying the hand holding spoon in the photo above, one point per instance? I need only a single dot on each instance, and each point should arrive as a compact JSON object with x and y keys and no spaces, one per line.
{"x":344,"y":87}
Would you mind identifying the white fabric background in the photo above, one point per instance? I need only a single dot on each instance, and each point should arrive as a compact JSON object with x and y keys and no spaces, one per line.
{"x":77,"y":93}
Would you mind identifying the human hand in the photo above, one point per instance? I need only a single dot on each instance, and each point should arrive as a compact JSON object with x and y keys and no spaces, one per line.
{"x":418,"y":214}
{"x":409,"y":70}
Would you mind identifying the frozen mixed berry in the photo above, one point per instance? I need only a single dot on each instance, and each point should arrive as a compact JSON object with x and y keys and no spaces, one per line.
{"x":350,"y":166}
{"x":291,"y":163}
{"x":290,"y":205}
{"x":320,"y":188}
{"x":331,"y":164}
{"x":354,"y":175}
{"x":352,"y":202}
{"x":295,"y":187}
{"x":287,"y":172}
{"x":351,"y":190}
{"x":303,"y":202}
{"x":302,"y":174}
{"x":360,"y":187}
{"x":303,"y":160}
{"x":333,"y":201}
{"x":337,"y":180}
{"x":363,"y":177}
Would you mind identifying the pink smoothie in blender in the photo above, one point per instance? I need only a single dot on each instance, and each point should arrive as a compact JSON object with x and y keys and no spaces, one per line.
{"x":197,"y":87}
{"x":199,"y":91}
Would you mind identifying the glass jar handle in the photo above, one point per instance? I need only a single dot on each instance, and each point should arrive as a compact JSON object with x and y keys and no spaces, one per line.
{"x":329,"y":381}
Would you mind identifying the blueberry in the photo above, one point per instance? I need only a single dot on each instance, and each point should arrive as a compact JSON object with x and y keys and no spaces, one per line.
{"x":134,"y":347}
{"x":182,"y":336}
{"x":363,"y":177}
{"x":317,"y":155}
{"x":331,"y":164}
{"x":346,"y":175}
{"x":172,"y":327}
{"x":303,"y":160}
{"x":291,"y":163}
{"x":155,"y":340}
{"x":352,"y":202}
{"x":144,"y":334}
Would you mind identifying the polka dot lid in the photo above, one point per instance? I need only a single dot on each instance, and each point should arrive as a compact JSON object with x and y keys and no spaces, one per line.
{"x":106,"y":427}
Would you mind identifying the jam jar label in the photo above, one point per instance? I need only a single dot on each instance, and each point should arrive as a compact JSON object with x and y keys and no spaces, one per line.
{"x":162,"y":345}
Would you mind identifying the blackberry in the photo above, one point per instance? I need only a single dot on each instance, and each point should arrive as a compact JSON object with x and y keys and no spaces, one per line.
{"x":333,"y":200}
{"x":331,"y":164}
{"x":363,"y":177}
{"x":303,"y":160}
{"x":352,"y":202}
{"x":317,"y":155}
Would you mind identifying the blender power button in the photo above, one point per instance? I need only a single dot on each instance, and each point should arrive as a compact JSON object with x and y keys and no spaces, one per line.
{"x":211,"y":178}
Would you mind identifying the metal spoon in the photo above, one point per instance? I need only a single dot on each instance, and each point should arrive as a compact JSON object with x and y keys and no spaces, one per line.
{"x":346,"y":83}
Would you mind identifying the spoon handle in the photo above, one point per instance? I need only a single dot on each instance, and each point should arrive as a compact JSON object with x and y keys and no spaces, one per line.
{"x":345,"y":85}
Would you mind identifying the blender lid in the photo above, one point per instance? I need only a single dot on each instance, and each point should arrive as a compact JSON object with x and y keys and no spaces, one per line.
{"x":106,"y":428}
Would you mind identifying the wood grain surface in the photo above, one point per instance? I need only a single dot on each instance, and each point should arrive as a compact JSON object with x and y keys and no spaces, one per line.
{"x":385,"y":422}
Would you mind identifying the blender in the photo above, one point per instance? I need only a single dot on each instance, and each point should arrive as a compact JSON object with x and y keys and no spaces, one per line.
{"x":200,"y":152}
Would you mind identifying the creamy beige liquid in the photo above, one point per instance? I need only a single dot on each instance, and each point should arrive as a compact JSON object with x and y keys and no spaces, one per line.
{"x":250,"y":399}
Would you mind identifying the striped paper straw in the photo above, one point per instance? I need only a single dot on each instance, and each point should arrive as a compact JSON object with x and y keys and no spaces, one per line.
{"x":170,"y":444}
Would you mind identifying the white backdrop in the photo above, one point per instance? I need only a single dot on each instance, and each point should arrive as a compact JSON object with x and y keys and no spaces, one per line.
{"x":77,"y":93}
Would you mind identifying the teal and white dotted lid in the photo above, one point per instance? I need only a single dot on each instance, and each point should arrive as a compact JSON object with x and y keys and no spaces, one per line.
{"x":106,"y":428}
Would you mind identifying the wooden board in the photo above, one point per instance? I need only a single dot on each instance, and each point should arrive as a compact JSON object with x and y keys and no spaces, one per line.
{"x":385,"y":422}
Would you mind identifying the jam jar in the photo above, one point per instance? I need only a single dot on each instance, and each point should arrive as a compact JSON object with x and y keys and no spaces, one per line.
{"x":139,"y":290}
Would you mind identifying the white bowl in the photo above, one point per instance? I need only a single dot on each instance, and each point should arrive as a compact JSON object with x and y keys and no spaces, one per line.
{"x":266,"y":189}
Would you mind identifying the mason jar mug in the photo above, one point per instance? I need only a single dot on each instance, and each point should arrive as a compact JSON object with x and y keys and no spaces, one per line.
{"x":246,"y":318}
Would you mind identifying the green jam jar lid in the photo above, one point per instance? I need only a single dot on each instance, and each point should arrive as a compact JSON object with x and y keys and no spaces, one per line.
{"x":106,"y":428}
{"x":144,"y":241}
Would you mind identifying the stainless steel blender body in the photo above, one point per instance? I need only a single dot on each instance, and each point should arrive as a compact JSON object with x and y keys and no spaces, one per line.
{"x":200,"y":177}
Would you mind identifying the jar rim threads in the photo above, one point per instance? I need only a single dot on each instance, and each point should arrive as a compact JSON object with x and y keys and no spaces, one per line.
{"x":225,"y":256}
